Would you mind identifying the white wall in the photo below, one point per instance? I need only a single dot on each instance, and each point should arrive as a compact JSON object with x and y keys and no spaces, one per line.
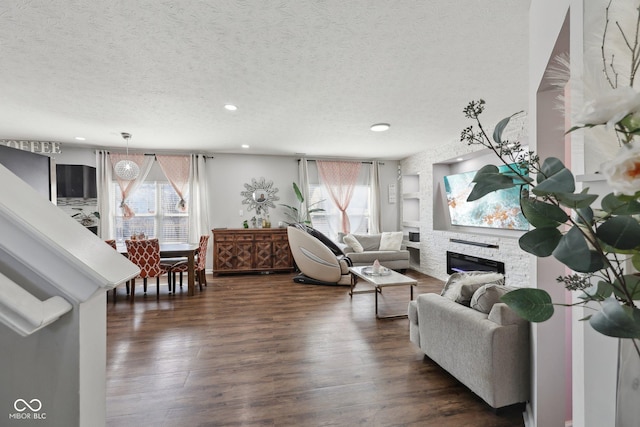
{"x":227,"y":174}
{"x":549,"y":402}
{"x":593,"y":388}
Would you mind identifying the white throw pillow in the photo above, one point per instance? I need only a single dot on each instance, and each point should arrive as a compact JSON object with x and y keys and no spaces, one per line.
{"x":391,"y":241}
{"x":353,"y":243}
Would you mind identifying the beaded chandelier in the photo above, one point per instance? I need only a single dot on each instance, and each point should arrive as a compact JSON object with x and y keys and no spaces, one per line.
{"x":127,"y":169}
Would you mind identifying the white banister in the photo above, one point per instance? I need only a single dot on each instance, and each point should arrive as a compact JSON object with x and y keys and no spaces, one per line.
{"x":23,"y":312}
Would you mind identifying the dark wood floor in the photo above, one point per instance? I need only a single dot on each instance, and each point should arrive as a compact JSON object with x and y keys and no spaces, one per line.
{"x":260,"y":350}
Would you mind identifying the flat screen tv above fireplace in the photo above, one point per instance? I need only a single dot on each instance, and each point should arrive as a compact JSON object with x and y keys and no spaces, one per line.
{"x":500,"y":209}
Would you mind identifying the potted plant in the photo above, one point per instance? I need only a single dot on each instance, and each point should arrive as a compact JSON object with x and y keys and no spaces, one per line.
{"x":300,"y":214}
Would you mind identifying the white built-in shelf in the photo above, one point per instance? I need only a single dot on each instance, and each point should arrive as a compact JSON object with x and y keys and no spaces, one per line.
{"x":410,"y":183}
{"x":412,"y":245}
{"x":414,"y":224}
{"x":590,"y":177}
{"x":411,"y":198}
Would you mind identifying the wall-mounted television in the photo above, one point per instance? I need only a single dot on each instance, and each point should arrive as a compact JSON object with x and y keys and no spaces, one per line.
{"x":76,"y":181}
{"x":500,"y":209}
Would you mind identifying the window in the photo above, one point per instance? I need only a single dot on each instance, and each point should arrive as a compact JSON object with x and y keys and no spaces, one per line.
{"x":328,"y":222}
{"x":154,"y":204}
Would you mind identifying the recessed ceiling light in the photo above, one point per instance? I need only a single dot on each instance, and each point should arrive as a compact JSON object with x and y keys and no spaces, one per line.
{"x":80,"y":138}
{"x":244,"y":146}
{"x":380,"y":127}
{"x":230,"y":107}
{"x":459,"y":159}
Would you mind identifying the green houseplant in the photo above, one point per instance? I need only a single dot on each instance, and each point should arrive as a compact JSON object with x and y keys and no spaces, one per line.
{"x":300,"y":214}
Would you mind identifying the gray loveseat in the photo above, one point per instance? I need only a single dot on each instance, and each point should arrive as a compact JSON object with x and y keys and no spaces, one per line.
{"x":487,"y":352}
{"x":396,"y":259}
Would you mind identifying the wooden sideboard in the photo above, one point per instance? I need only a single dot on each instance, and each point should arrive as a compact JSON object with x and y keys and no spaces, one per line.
{"x":245,"y":250}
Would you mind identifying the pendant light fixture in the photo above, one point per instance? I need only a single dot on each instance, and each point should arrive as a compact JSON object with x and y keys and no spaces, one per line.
{"x":127,"y":169}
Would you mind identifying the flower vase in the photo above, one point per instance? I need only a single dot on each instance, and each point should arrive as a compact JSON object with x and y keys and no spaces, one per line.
{"x":628,"y":386}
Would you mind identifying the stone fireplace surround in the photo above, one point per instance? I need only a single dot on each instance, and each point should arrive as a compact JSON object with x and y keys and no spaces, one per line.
{"x":476,"y":242}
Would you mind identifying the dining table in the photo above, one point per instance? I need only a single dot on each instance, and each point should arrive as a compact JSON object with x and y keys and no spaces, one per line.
{"x":176,"y":250}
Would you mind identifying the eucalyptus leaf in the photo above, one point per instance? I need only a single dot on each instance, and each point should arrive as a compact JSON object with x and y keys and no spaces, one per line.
{"x":573,"y":251}
{"x":608,"y":249}
{"x":576,"y":200}
{"x":488,"y":180}
{"x":486,"y":170}
{"x":531,"y":304}
{"x":635,"y":260}
{"x":621,"y":232}
{"x":616,"y":205}
{"x":542,"y":214}
{"x":584,"y":216}
{"x":499,"y":129}
{"x":541,"y":241}
{"x":631,"y":283}
{"x":599,"y":292}
{"x":551,"y":166}
{"x":560,"y":182}
{"x":616,"y":320}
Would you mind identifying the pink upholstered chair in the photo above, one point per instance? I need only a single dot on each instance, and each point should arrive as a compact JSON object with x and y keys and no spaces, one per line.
{"x":146,"y":255}
{"x":200,"y":264}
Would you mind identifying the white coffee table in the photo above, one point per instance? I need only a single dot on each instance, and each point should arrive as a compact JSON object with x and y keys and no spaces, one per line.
{"x":393,"y":278}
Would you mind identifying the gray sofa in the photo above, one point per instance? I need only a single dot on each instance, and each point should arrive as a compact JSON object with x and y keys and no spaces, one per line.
{"x":488,"y":353}
{"x":393,"y":259}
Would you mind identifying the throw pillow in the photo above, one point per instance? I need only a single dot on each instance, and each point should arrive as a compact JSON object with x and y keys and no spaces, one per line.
{"x":467,"y":291}
{"x":488,"y":295}
{"x":369,"y":242}
{"x":460,"y":287}
{"x":391,"y":241}
{"x":353,"y":243}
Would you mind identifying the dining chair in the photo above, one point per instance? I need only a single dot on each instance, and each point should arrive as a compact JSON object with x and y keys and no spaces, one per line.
{"x":112,"y":243}
{"x":200,"y":264}
{"x":146,"y":255}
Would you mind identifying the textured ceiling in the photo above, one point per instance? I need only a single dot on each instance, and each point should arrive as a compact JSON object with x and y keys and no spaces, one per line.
{"x":308,"y":76}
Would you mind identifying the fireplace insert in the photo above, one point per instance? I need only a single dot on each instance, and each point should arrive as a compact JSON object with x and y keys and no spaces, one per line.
{"x":457,"y":263}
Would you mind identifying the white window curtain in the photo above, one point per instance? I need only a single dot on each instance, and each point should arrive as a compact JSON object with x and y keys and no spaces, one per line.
{"x":104,"y":171}
{"x":129,"y":187}
{"x":303,"y":185}
{"x":339,"y":179}
{"x":375,"y":220}
{"x":197,"y":203}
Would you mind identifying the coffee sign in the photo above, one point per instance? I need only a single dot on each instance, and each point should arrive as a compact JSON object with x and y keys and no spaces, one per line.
{"x":41,"y":147}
